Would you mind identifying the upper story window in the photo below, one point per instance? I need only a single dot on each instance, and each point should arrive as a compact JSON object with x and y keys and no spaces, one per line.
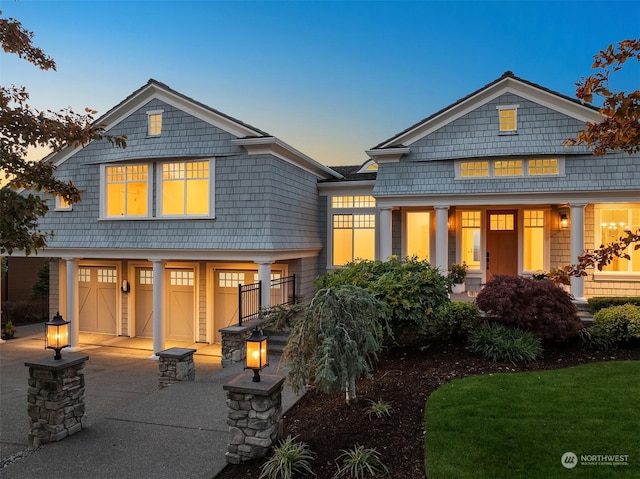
{"x":508,"y":118}
{"x":474,"y":168}
{"x":185,"y":188}
{"x":548,"y":166}
{"x":505,"y":168}
{"x":62,"y":204}
{"x":126,"y":189}
{"x":155,"y":122}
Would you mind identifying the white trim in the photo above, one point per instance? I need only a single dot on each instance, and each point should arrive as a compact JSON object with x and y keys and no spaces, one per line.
{"x":388,"y":155}
{"x":159,"y":192}
{"x":102,"y":211}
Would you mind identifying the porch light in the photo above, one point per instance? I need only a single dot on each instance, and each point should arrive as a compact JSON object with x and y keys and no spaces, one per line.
{"x":257,"y":358}
{"x":564,"y":221}
{"x":56,"y":335}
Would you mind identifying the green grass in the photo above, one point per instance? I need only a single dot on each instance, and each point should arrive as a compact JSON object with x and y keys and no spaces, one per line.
{"x":519,"y":425}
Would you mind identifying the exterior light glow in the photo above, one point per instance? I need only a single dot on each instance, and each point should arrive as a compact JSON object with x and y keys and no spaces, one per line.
{"x":56,"y":335}
{"x":257,"y":357}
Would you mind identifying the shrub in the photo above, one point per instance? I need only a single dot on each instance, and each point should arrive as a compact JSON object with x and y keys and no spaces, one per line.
{"x":378,"y":409}
{"x":455,"y":320}
{"x":361,"y":463}
{"x":501,"y":343}
{"x":413,"y":289}
{"x":535,"y":306}
{"x":289,"y":457}
{"x":594,"y":337}
{"x":620,"y":323}
{"x":600,"y":302}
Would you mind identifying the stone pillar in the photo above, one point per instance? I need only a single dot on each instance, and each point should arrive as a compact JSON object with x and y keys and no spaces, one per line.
{"x":55,"y":399}
{"x":386,"y":245}
{"x":442,"y":239}
{"x":233,"y":343}
{"x":577,"y":248}
{"x":175,"y":364}
{"x":254,"y":414}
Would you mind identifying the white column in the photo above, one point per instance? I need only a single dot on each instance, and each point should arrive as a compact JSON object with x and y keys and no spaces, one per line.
{"x":577,"y":247}
{"x":1,"y":259}
{"x":264,"y":275}
{"x":73,"y":303}
{"x":158,"y":308}
{"x":442,"y":239}
{"x":385,"y":234}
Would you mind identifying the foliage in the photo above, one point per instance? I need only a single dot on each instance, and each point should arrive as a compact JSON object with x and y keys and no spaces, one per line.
{"x":378,"y":409}
{"x":535,"y":306}
{"x":620,"y":323}
{"x":361,"y":463}
{"x":455,"y":320}
{"x":598,"y":302}
{"x":282,"y":316}
{"x":412,"y":289}
{"x":9,"y":326}
{"x":41,"y":287}
{"x":457,"y":273}
{"x":603,"y":256}
{"x":594,"y":337}
{"x":336,"y":339}
{"x":501,"y":343}
{"x":289,"y":457}
{"x":620,"y":127}
{"x":22,"y":127}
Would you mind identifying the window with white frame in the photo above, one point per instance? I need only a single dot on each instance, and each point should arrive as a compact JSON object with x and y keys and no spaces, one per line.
{"x":418,"y":234}
{"x":614,"y":223}
{"x":154,"y":119}
{"x":508,"y":118}
{"x":470,"y":238}
{"x":501,"y":168}
{"x":533,"y":247}
{"x":185,"y":188}
{"x":353,"y":226}
{"x":126,"y":191}
{"x":62,"y":204}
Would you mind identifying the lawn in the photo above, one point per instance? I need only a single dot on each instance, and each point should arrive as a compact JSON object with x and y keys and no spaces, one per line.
{"x":519,"y":425}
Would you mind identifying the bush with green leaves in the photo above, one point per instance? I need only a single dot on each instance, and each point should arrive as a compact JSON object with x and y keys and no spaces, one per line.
{"x":594,"y":337}
{"x":536,"y":306}
{"x":454,"y":320}
{"x":599,"y":302}
{"x":502,"y":343}
{"x":361,"y":463}
{"x":413,"y":289}
{"x":289,"y":457}
{"x":336,"y":339}
{"x":620,"y":323}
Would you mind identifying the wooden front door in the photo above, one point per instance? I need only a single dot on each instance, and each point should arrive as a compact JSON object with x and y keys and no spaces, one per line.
{"x":502,"y":243}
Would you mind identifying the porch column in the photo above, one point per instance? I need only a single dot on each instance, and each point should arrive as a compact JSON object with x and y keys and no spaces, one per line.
{"x":158,"y":308}
{"x":264,"y":275}
{"x":1,"y":260}
{"x":73,"y":303}
{"x":385,"y":234}
{"x":577,"y":247}
{"x":442,"y":243}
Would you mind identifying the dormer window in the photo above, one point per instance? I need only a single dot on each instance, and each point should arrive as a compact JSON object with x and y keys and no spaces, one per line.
{"x":508,"y":118}
{"x":155,"y":122}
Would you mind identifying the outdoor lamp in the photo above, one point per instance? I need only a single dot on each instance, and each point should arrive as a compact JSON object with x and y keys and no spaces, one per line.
{"x":564,"y":221}
{"x":257,"y":357}
{"x":56,"y":335}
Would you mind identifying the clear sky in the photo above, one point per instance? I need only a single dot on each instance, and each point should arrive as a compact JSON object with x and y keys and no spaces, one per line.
{"x":330,"y":78}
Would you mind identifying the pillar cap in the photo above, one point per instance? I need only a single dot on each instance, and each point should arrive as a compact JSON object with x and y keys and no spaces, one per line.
{"x":47,"y":362}
{"x":269,"y":383}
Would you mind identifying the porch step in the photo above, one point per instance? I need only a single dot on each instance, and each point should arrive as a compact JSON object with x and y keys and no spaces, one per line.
{"x":277,"y":340}
{"x":583,"y":312}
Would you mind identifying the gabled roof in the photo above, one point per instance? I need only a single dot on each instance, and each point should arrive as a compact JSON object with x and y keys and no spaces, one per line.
{"x":507,"y":83}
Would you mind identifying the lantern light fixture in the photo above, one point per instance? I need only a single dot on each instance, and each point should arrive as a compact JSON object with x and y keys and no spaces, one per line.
{"x":257,"y":357}
{"x":56,"y":335}
{"x":564,"y":221}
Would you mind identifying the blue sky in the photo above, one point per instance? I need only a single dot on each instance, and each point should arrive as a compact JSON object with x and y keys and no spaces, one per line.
{"x":330,"y":78}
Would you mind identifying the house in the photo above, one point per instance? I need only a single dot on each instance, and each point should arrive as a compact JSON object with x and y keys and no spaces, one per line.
{"x":200,"y":202}
{"x":169,"y":227}
{"x":487,"y":181}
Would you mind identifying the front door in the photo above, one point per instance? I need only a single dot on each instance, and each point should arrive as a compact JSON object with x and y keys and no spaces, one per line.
{"x":502,"y":243}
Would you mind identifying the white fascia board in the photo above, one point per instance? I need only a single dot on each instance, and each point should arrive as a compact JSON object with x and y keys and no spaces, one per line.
{"x":507,"y":85}
{"x":388,"y":155}
{"x":346,"y":187}
{"x":266,"y":145}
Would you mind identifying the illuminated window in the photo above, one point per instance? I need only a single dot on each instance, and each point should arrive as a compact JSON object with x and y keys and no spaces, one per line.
{"x":106,"y":275}
{"x":533,"y":240}
{"x":126,"y":190}
{"x":145,"y":276}
{"x":474,"y":168}
{"x":507,"y":168}
{"x":508,"y":116}
{"x":185,"y":188}
{"x":181,"y":278}
{"x":418,"y":237}
{"x":155,"y":122}
{"x":501,"y":222}
{"x":62,"y":204}
{"x":353,"y":238}
{"x":362,"y":201}
{"x":230,"y":279}
{"x":614,"y":223}
{"x":547,"y":166}
{"x":470,"y":237}
{"x":84,"y":275}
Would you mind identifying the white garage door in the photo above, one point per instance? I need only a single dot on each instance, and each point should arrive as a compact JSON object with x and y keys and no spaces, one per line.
{"x":97,"y":290}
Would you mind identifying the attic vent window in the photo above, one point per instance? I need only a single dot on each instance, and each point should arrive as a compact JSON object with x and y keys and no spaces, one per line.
{"x":508,"y":118}
{"x":155,"y":122}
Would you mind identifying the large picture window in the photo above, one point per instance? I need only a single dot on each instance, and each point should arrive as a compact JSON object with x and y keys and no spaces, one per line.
{"x":126,"y":191}
{"x":185,"y":188}
{"x":614,"y":222}
{"x":353,"y":226}
{"x":418,"y":234}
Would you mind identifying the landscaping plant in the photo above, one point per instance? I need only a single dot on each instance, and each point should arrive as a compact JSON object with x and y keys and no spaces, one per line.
{"x":502,"y":343}
{"x":289,"y":457}
{"x":361,"y":463}
{"x":454,"y":320}
{"x":536,"y":306}
{"x":378,"y":409}
{"x":413,"y":289}
{"x":335,"y":340}
{"x":620,"y":323}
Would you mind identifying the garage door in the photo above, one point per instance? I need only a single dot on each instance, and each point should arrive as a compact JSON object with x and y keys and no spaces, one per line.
{"x":97,"y":290}
{"x":144,"y":302}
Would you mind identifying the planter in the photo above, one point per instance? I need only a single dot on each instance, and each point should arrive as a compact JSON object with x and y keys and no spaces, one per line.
{"x":457,"y":288}
{"x":8,"y":334}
